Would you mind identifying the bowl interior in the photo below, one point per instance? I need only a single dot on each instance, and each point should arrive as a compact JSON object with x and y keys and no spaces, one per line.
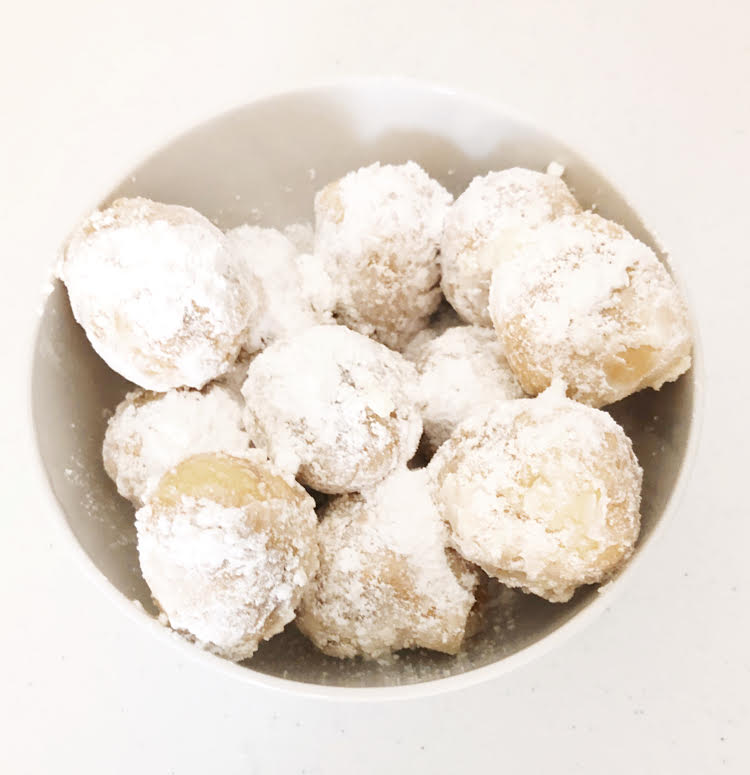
{"x":262,"y":164}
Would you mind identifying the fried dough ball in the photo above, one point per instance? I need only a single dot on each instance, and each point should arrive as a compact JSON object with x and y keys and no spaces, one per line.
{"x":460,"y":372}
{"x":386,"y":580}
{"x":485,"y":225}
{"x":543,"y":493}
{"x":591,"y":304}
{"x":295,"y":291}
{"x":378,"y":230}
{"x":227,"y":544}
{"x":159,"y":296}
{"x":334,"y":407}
{"x":151,"y":432}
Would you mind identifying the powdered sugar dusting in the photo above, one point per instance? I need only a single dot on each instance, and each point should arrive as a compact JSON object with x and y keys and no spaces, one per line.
{"x":483,"y":227}
{"x":301,"y":235}
{"x":150,"y":433}
{"x":295,"y":291}
{"x":442,"y":319}
{"x":461,"y":371}
{"x":386,"y":581}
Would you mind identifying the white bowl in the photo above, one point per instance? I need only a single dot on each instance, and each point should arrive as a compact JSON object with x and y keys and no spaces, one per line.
{"x":263,"y":163}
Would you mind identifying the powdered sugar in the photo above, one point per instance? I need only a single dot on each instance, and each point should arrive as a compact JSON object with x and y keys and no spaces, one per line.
{"x":586,"y":301}
{"x":542,"y":493}
{"x":442,"y":319}
{"x":386,"y":581}
{"x":295,"y":291}
{"x":483,"y":228}
{"x":378,"y":230}
{"x":150,"y":433}
{"x":460,"y":372}
{"x":301,"y":235}
{"x":334,"y":406}
{"x":160,"y":298}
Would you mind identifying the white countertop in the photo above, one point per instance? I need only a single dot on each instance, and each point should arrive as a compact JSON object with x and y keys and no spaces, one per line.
{"x":656,"y":94}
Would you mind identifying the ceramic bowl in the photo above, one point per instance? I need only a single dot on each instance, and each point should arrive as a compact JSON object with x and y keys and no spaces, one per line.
{"x":262,"y":163}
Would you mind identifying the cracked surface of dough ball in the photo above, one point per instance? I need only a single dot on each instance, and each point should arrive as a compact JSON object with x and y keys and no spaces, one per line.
{"x":483,"y":228}
{"x":460,"y":371}
{"x":334,"y":407}
{"x":543,"y":493}
{"x":591,"y":304}
{"x":295,"y":291}
{"x":158,"y":294}
{"x":386,"y":580}
{"x":377,"y":230}
{"x":227,"y":545}
{"x":151,"y":432}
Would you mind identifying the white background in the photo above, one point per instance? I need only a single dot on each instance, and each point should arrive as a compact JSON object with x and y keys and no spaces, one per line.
{"x":656,"y":94}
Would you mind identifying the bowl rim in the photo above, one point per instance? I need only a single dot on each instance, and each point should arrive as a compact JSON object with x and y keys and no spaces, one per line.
{"x":472,"y":677}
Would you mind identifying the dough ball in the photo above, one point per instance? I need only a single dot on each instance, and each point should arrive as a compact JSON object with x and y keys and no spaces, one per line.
{"x":460,"y":372}
{"x":295,"y":291}
{"x":543,"y":493}
{"x":227,"y":544}
{"x":159,"y":296}
{"x":378,"y":230}
{"x":589,"y":303}
{"x":335,"y":407}
{"x":386,"y":580}
{"x":484,"y":226}
{"x":151,"y":432}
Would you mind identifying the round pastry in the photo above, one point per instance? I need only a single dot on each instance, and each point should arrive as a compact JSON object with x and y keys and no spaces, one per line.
{"x":543,"y":493}
{"x":485,"y":225}
{"x":226,"y":545}
{"x":295,"y":291}
{"x":377,"y":230}
{"x":159,"y":296}
{"x":334,"y":407}
{"x":460,"y":372}
{"x":151,"y":432}
{"x":386,"y":580}
{"x":591,"y":304}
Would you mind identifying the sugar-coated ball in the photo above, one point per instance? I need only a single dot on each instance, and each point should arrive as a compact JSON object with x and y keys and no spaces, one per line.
{"x":587,"y":302}
{"x":227,"y":544}
{"x":378,"y":230}
{"x":542,"y":493}
{"x":334,"y":407}
{"x":386,"y":580}
{"x":460,"y":371}
{"x":158,"y":294}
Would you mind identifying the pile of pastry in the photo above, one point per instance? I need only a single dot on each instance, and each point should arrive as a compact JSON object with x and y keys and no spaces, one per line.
{"x":353,"y":425}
